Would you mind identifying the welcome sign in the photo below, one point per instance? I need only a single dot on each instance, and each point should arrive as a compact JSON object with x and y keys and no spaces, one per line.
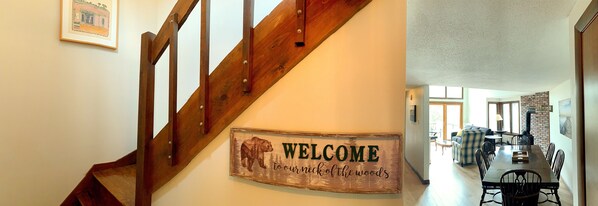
{"x":351,"y":163}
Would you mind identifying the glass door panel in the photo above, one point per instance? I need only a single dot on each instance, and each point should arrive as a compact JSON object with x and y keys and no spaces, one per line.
{"x":445,"y":118}
{"x":453,"y":119}
{"x":437,"y":119}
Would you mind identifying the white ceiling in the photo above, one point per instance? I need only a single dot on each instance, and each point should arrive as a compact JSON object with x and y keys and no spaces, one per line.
{"x":514,"y":45}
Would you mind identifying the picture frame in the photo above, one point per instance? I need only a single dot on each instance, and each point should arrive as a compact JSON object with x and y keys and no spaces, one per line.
{"x":413,"y":113}
{"x":565,"y":125}
{"x":93,"y":22}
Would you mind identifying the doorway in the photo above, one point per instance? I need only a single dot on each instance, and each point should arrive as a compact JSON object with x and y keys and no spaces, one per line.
{"x":586,"y":76}
{"x":445,"y":118}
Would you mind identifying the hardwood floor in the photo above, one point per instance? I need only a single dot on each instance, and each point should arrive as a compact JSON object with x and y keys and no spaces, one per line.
{"x":451,"y":184}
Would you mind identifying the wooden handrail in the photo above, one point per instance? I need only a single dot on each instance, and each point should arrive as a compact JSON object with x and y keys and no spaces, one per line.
{"x":183,"y":8}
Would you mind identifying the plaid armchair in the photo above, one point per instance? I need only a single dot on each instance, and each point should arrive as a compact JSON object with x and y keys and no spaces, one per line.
{"x":464,"y":152}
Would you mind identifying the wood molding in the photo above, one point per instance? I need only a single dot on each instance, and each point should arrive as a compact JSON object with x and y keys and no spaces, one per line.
{"x":425,"y":182}
{"x":589,"y":15}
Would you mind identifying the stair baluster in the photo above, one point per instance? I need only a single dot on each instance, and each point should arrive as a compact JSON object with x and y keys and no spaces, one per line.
{"x":172,"y":89}
{"x":247,"y":44}
{"x":300,"y":39}
{"x":204,"y":67}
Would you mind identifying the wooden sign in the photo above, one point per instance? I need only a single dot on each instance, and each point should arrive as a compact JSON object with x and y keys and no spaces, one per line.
{"x":350,"y":163}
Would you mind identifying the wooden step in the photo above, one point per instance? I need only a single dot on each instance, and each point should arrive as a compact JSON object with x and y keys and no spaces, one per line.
{"x":120,"y":182}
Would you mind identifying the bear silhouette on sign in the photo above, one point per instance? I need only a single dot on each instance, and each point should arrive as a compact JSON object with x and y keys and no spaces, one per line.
{"x":252,"y":149}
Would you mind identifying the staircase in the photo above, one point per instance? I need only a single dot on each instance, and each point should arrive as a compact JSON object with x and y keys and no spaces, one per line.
{"x":267,"y":52}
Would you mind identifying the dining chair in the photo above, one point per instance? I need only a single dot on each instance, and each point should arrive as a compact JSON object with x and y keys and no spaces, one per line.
{"x":483,"y":169}
{"x":520,"y":140}
{"x":550,"y":153}
{"x":520,"y":187}
{"x":557,"y":166}
{"x":489,"y":152}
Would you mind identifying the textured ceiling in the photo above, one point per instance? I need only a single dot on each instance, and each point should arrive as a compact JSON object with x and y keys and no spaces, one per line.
{"x":514,"y":45}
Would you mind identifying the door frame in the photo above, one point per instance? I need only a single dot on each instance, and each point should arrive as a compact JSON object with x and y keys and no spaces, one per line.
{"x":444,"y":131}
{"x":590,"y":14}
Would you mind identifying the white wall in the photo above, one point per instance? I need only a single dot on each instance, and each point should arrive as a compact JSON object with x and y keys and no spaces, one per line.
{"x":347,"y":84}
{"x":561,"y":92}
{"x":578,"y":9}
{"x":63,"y":106}
{"x":417,"y":137}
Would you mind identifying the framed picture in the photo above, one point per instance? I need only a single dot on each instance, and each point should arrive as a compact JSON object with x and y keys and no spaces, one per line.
{"x":412,"y":113}
{"x":92,"y":22}
{"x":565,"y":117}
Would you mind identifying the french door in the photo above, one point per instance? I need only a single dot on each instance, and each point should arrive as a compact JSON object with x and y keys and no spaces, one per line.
{"x":445,"y":118}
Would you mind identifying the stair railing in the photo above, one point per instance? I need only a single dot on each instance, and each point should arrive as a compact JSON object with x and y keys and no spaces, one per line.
{"x":152,"y":48}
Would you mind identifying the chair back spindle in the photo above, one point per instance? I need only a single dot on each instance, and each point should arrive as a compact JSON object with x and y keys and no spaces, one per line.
{"x":520,"y":187}
{"x":550,"y":153}
{"x":488,"y":151}
{"x":557,"y":166}
{"x":479,"y":159}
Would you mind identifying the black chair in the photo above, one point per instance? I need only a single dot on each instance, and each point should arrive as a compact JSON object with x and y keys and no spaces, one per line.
{"x":550,"y":153}
{"x":489,"y":152}
{"x":557,"y":166}
{"x":483,"y":169}
{"x":520,"y":187}
{"x":520,"y":140}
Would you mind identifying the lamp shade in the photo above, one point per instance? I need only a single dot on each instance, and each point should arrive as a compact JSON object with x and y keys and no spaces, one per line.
{"x":498,"y":117}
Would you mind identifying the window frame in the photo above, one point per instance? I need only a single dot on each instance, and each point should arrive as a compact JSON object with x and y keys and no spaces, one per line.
{"x":446,"y":92}
{"x":499,"y":110}
{"x":444,"y":105}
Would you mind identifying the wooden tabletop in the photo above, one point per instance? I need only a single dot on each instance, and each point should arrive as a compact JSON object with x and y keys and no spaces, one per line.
{"x":503,"y":163}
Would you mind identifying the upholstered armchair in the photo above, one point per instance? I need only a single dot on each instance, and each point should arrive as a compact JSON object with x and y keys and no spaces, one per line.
{"x":464,"y":151}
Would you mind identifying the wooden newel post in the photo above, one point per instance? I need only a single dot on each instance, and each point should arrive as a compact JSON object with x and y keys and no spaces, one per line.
{"x":145,"y":128}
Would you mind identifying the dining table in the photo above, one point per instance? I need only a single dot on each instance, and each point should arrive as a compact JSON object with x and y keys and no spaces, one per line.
{"x":503,"y":163}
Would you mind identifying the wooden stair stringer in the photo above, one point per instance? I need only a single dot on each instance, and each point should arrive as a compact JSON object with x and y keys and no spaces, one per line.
{"x":275,"y":55}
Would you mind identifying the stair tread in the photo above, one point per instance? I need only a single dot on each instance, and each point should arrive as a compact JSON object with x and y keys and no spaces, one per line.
{"x":120,"y":182}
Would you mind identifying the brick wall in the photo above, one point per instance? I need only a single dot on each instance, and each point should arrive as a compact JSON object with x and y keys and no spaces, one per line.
{"x":540,"y":125}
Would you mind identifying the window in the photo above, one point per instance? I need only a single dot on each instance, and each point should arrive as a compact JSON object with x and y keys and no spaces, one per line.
{"x":508,"y":112}
{"x":492,"y":111}
{"x":443,"y":92}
